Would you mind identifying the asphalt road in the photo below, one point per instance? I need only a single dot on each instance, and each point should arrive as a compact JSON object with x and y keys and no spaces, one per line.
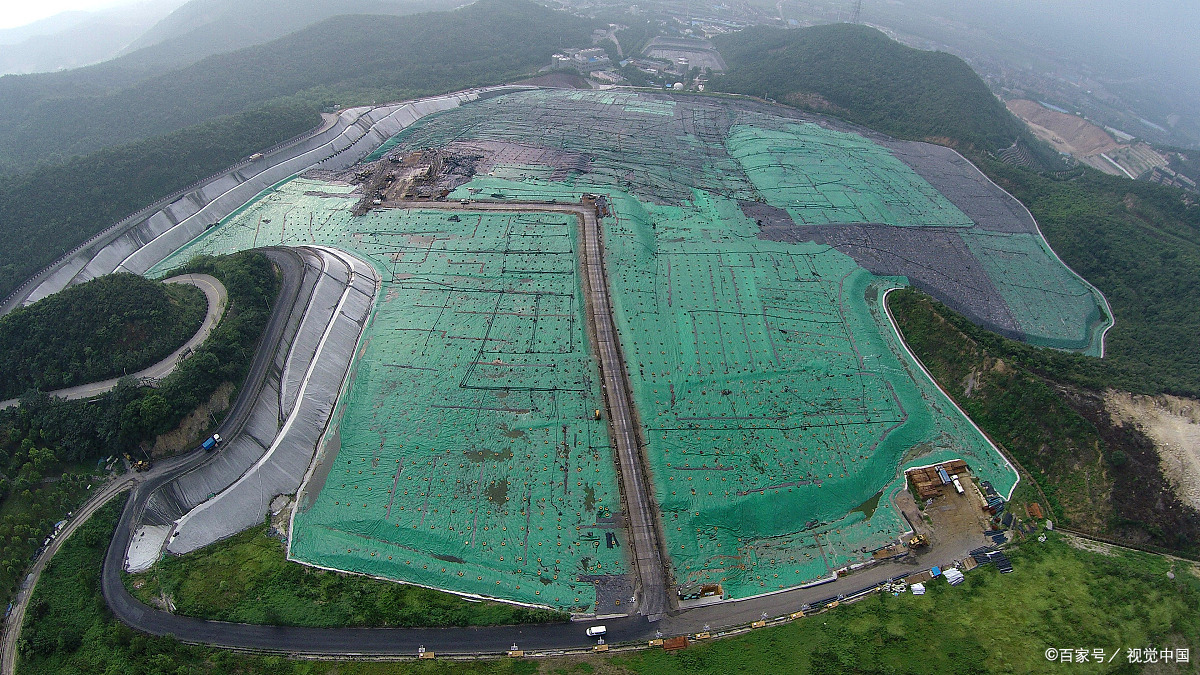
{"x":652,"y":584}
{"x":21,"y":602}
{"x":217,"y":300}
{"x":292,"y":271}
{"x":341,"y":642}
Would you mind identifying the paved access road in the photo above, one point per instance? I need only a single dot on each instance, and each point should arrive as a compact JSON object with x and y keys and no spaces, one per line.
{"x":217,"y":300}
{"x":341,"y":642}
{"x":21,"y":602}
{"x":292,"y":272}
{"x":640,"y":513}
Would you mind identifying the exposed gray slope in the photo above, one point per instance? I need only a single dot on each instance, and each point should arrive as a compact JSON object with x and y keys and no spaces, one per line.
{"x":270,"y":453}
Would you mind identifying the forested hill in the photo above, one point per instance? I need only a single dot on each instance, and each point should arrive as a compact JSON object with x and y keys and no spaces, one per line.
{"x":861,"y":75}
{"x":54,"y":116}
{"x":275,"y":91}
{"x":46,"y":212}
{"x":202,"y":28}
{"x":105,"y":328}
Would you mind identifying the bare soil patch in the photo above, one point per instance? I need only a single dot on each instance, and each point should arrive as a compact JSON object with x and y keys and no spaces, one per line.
{"x":194,"y":426}
{"x":811,"y":101}
{"x":1067,"y":133}
{"x":1173,"y":423}
{"x":1089,"y":545}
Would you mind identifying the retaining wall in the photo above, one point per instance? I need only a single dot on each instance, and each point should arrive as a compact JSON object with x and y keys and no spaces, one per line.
{"x":141,"y":240}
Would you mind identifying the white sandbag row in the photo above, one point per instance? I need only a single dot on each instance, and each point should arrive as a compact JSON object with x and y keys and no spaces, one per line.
{"x":282,"y":467}
{"x":137,"y":245}
{"x":326,"y":279}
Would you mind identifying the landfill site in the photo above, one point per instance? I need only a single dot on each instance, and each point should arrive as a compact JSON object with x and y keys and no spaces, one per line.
{"x":733,"y":257}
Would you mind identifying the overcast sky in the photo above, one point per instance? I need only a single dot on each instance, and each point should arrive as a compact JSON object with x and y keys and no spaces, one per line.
{"x":18,"y":13}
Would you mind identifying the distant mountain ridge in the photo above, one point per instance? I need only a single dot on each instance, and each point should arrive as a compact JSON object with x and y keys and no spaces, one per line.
{"x":46,"y":26}
{"x":77,"y":38}
{"x":57,"y":115}
{"x":203,"y":28}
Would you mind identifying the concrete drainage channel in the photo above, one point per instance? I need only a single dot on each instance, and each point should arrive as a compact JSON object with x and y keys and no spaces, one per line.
{"x":270,"y":443}
{"x":270,"y":452}
{"x":136,"y":243}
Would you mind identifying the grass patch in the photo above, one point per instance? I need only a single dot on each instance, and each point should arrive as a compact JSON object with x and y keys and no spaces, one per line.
{"x":1040,"y":405}
{"x":1058,"y":596}
{"x":69,"y":631}
{"x":247,"y":579}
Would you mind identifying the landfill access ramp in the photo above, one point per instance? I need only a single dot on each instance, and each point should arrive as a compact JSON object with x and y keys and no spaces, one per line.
{"x":748,"y":250}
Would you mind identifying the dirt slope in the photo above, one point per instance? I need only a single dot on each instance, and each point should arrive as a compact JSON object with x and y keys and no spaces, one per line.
{"x":1067,"y":133}
{"x":1173,"y":424}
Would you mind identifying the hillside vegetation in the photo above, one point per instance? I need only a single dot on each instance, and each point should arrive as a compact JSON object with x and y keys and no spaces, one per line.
{"x":48,"y":116}
{"x":1099,"y":477}
{"x":1058,"y":596}
{"x":47,"y":212}
{"x":114,"y":325}
{"x":861,"y":75}
{"x":1139,"y":243}
{"x":82,"y":431}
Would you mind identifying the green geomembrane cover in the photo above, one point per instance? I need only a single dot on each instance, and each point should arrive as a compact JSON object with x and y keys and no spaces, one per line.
{"x":465,"y":454}
{"x":777,"y":404}
{"x":821,"y":177}
{"x":1052,"y":307}
{"x":776,"y":398}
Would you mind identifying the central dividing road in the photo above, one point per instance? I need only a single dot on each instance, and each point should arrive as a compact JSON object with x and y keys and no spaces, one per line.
{"x":640,"y":516}
{"x":493,"y":641}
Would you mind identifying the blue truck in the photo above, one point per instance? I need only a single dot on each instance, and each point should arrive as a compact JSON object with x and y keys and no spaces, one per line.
{"x":211,"y":442}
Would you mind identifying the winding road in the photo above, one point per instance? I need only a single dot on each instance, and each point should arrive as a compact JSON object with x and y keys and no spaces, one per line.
{"x":217,"y":300}
{"x":21,"y":602}
{"x":653,"y":618}
{"x":292,"y":270}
